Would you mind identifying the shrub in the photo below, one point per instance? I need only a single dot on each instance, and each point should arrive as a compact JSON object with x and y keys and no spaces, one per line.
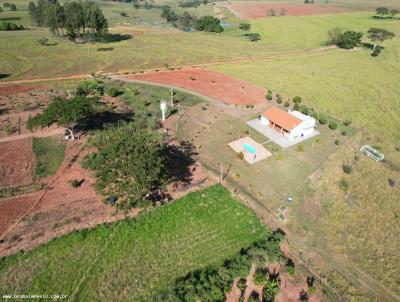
{"x":304,"y":110}
{"x":322,"y":119}
{"x":254,"y":297}
{"x":240,"y":156}
{"x":296,"y":106}
{"x":13,"y":7}
{"x":105,"y":48}
{"x":290,"y":267}
{"x":391,"y":182}
{"x":241,"y":284}
{"x":43,"y":41}
{"x":113,"y":91}
{"x":303,"y":295}
{"x":287,"y":104}
{"x":260,"y":276}
{"x":337,"y":142}
{"x":76,"y":183}
{"x":347,"y":169}
{"x":269,"y":95}
{"x":344,"y":132}
{"x":347,"y":122}
{"x":300,"y":148}
{"x":297,"y":99}
{"x":315,"y":115}
{"x":333,"y":125}
{"x":254,"y":37}
{"x":278,"y":99}
{"x":89,"y":87}
{"x":8,"y":26}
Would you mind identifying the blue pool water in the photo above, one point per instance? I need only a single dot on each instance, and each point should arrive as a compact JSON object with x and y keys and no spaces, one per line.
{"x":249,"y":148}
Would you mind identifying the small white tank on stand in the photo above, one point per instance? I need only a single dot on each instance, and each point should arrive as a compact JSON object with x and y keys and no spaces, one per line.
{"x":163,"y":107}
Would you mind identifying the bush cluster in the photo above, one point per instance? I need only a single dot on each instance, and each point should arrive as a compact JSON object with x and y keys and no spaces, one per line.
{"x":9,"y":26}
{"x":212,"y":283}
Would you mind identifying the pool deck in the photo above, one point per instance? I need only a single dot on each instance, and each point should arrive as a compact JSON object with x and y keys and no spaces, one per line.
{"x":261,"y":152}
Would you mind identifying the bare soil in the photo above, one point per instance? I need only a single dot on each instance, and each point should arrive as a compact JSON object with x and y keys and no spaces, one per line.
{"x":259,"y":10}
{"x":18,"y":105}
{"x":17,"y":163}
{"x":14,"y":89}
{"x":209,"y":83}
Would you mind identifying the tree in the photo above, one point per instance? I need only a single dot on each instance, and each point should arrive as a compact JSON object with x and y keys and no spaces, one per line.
{"x":271,"y":13}
{"x":270,"y":290}
{"x":74,"y":19}
{"x":349,"y":39}
{"x":67,"y":113}
{"x":209,"y":23}
{"x":394,"y":12}
{"x":13,"y":7}
{"x":379,"y":34}
{"x":382,"y":11}
{"x":283,"y":11}
{"x":1,"y":10}
{"x":245,"y":27}
{"x":129,"y":163}
{"x":185,"y":21}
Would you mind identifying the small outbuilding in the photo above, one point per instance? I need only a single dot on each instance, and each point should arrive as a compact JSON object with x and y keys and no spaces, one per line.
{"x":291,"y":124}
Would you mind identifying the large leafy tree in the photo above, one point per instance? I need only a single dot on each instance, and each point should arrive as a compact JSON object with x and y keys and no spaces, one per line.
{"x":63,"y":112}
{"x":349,"y":39}
{"x":128,"y":164}
{"x":209,"y":23}
{"x":382,"y":11}
{"x":379,"y":35}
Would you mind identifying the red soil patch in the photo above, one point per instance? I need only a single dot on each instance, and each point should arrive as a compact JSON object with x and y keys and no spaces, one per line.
{"x":13,"y":208}
{"x":259,"y":10}
{"x":14,"y":89}
{"x":208,"y":83}
{"x":16,"y":163}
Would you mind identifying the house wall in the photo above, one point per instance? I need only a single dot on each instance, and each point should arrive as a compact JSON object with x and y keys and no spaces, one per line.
{"x":264,"y":121}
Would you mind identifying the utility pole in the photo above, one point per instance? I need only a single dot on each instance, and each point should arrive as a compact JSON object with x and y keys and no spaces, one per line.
{"x":171,"y":92}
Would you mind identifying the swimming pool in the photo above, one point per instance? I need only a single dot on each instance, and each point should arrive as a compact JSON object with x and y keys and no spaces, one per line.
{"x":249,"y":148}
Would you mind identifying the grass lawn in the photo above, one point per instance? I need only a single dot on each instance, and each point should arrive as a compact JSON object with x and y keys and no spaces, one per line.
{"x":346,"y":84}
{"x":49,"y":155}
{"x":134,"y":259}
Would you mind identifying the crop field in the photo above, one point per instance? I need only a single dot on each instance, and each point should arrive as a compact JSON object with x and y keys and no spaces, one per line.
{"x":49,"y":154}
{"x":134,"y":259}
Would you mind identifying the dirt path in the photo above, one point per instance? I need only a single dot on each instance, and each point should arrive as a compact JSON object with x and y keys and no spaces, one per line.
{"x":40,"y":133}
{"x":209,"y":64}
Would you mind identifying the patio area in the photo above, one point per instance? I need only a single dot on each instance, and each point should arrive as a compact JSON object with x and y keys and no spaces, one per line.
{"x":252,"y":151}
{"x":276,"y":137}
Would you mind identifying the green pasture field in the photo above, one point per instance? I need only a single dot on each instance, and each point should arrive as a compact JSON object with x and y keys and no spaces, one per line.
{"x":132,"y":260}
{"x":26,"y":58}
{"x":49,"y":154}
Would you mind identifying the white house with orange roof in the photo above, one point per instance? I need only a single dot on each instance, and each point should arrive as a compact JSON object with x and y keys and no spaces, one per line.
{"x":292,"y":124}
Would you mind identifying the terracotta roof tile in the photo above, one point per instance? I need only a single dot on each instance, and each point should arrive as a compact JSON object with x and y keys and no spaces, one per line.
{"x":281,"y":118}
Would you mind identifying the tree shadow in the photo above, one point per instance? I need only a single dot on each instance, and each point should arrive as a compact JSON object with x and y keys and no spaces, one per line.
{"x":10,"y":19}
{"x":179,"y":163}
{"x":101,"y":119}
{"x":370,"y":45}
{"x":4,"y":75}
{"x":111,"y":38}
